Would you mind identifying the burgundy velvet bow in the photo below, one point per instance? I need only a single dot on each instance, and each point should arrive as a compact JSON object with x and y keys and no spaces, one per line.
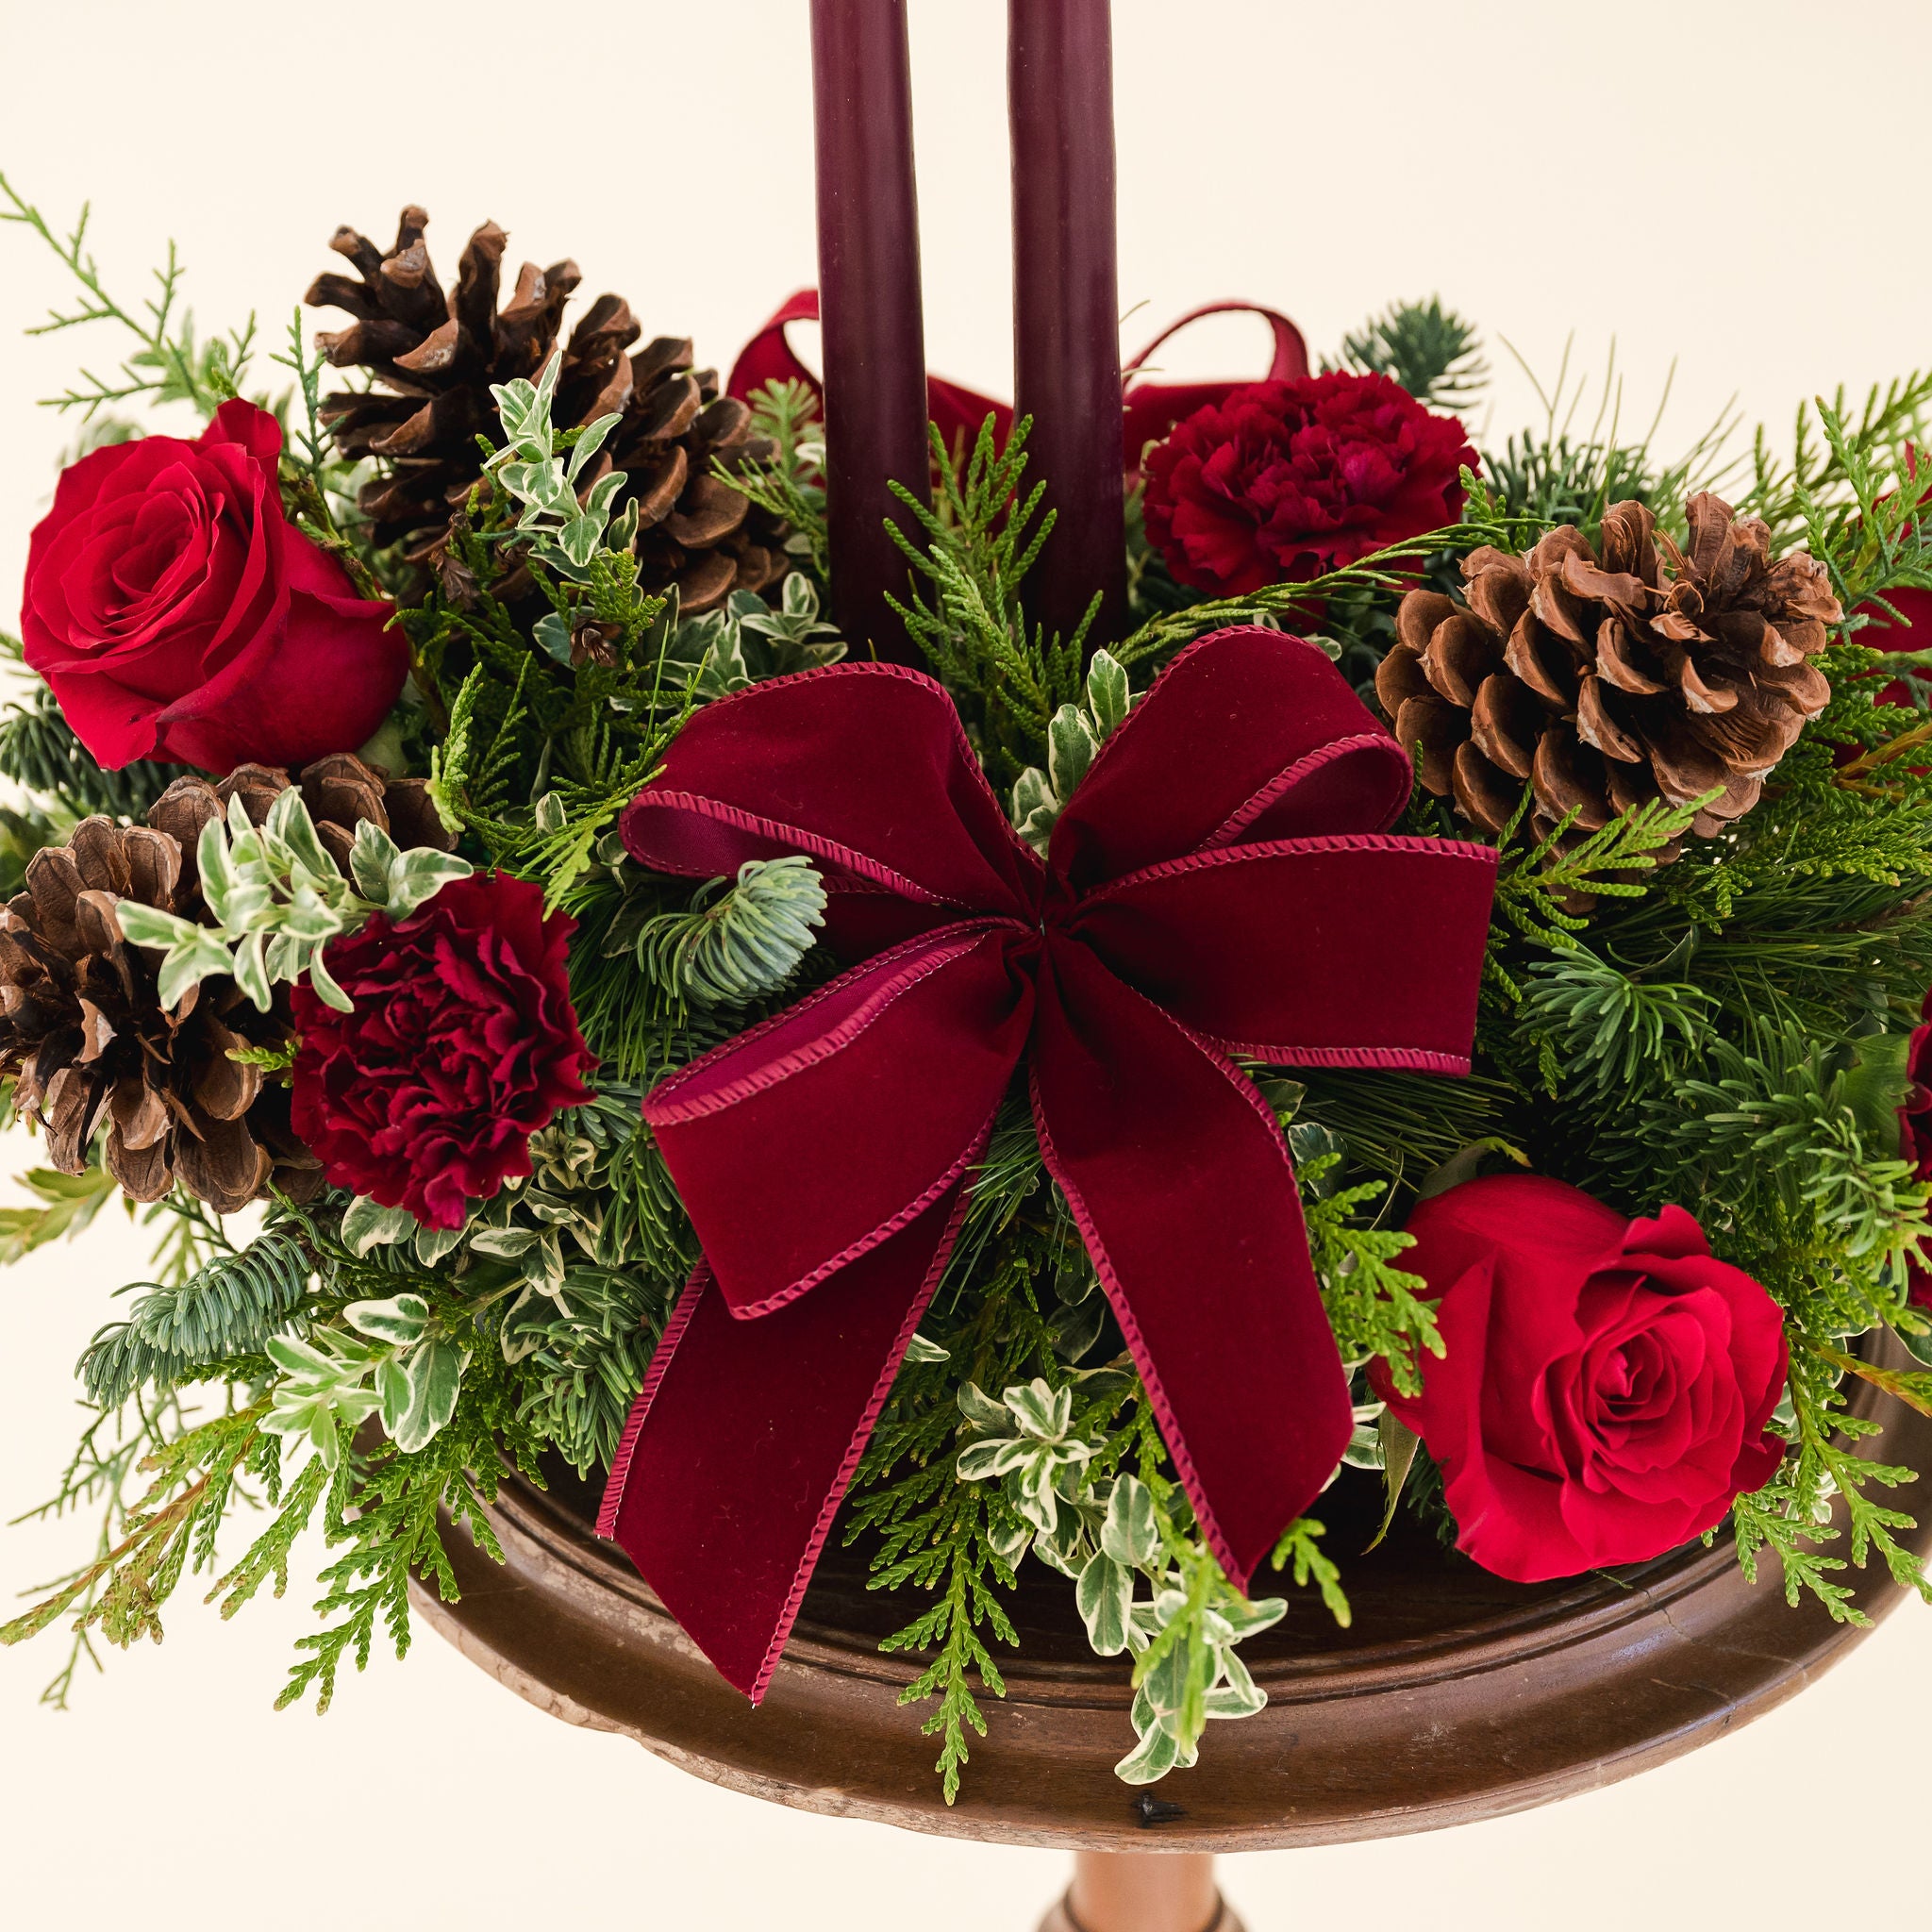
{"x":1150,"y":409}
{"x":1219,"y":884}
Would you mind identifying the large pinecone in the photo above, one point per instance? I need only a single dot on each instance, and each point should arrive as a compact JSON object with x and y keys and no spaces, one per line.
{"x":1612,"y":676}
{"x":82,"y":1025}
{"x":434,"y":358}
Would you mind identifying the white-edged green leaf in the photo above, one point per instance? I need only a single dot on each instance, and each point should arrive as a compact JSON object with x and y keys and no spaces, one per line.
{"x":435,"y":1379}
{"x":433,"y":1243}
{"x":1008,"y":1539}
{"x":1239,"y":1695}
{"x":919,"y":1350}
{"x":188,"y":964}
{"x":418,"y":875}
{"x":1108,"y":696}
{"x":980,"y":1461}
{"x":980,"y":1409}
{"x":323,"y":981}
{"x":370,"y":859}
{"x":504,"y":1244}
{"x":211,"y":863}
{"x":1104,"y":1594}
{"x":367,"y":1224}
{"x":1129,"y":1535}
{"x":1070,"y":748}
{"x":1043,"y":1411}
{"x":1165,"y":1685}
{"x":399,"y":1320}
{"x":289,"y":821}
{"x":1029,"y":1488}
{"x":251,"y":970}
{"x":148,"y":925}
{"x":1156,"y":1754}
{"x":1249,"y":1616}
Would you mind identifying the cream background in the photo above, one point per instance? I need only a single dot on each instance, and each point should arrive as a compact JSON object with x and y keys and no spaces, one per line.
{"x":1733,"y":184}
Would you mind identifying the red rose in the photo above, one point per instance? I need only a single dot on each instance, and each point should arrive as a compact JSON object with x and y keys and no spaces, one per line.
{"x":461,"y":1044}
{"x":177,"y":613}
{"x":1284,"y":480}
{"x":1607,"y":1383}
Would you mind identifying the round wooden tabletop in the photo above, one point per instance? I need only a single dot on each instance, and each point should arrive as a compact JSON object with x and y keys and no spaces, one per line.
{"x":1454,"y":1696}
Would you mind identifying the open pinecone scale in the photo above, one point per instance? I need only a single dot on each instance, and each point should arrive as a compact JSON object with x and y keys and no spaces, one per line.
{"x":82,"y":1029}
{"x":433,"y":358}
{"x":1610,"y":675}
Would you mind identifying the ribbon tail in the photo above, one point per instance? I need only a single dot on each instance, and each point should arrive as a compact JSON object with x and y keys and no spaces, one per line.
{"x":1178,"y":1179}
{"x":747,"y":1433}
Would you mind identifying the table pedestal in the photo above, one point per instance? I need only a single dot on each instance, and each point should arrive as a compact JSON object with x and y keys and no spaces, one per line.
{"x":1142,"y":1891}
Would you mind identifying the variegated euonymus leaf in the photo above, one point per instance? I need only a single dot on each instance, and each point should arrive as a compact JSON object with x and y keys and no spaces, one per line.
{"x":278,"y":898}
{"x":324,"y":1391}
{"x":562,"y":520}
{"x":400,"y":1319}
{"x":368,"y":1224}
{"x":1074,"y":736}
{"x":1035,"y":1456}
{"x":419,"y":1392}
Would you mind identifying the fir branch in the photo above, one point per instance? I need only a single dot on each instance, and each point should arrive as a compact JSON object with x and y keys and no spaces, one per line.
{"x":227,"y":1309}
{"x":738,"y":941}
{"x":1431,"y":351}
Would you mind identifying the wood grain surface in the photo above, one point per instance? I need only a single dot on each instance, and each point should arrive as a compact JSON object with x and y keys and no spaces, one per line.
{"x":1454,"y":1696}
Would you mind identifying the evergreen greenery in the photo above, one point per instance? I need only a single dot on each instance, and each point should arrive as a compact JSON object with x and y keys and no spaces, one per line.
{"x":1717,"y":1022}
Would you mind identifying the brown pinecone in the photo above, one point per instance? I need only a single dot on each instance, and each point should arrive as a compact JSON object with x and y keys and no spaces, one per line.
{"x":340,"y":791}
{"x":82,"y":1027}
{"x":1612,"y":676}
{"x":434,"y":358}
{"x":83,"y":1032}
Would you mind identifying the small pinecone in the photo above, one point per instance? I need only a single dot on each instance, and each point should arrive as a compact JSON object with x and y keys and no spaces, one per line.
{"x":83,"y":1031}
{"x":434,"y":358}
{"x":1609,"y":679}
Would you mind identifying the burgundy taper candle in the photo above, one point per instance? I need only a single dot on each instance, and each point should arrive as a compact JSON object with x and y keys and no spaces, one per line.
{"x":1066,"y":302}
{"x":873,"y":325}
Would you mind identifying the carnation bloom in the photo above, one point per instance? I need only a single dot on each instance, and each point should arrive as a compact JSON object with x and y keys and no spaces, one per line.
{"x":177,"y":613}
{"x":1606,"y":1385}
{"x":1283,"y":482}
{"x":462,"y":1044}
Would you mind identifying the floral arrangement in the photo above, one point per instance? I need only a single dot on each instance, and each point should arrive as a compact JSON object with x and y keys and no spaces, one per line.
{"x":1429,"y":991}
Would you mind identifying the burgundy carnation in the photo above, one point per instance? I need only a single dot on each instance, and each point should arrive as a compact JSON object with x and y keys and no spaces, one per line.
{"x":462,"y":1044}
{"x":1283,"y":482}
{"x":177,"y":613}
{"x":1606,"y":1385}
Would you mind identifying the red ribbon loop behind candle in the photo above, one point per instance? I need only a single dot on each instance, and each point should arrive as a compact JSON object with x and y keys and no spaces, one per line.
{"x":1151,"y":408}
{"x":1221,"y":883}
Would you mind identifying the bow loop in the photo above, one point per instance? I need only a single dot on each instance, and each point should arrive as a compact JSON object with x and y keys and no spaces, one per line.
{"x":1249,"y":734}
{"x":864,"y":768}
